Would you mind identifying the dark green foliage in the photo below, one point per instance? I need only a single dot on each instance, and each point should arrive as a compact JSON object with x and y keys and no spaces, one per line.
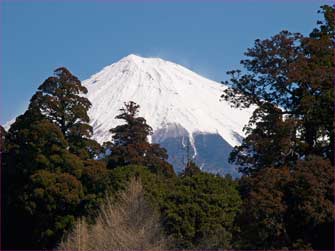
{"x":288,"y":209}
{"x":59,"y":100}
{"x":262,"y":219}
{"x":197,"y":211}
{"x":45,"y":184}
{"x":156,"y":186}
{"x":3,"y":134}
{"x":200,"y":210}
{"x":317,"y":71}
{"x":191,"y":169}
{"x":130,"y":144}
{"x":284,"y":200}
{"x":39,"y":143}
{"x":52,"y":200}
{"x":96,"y":182}
{"x":311,"y":203}
{"x":43,"y":190}
{"x":294,"y":73}
{"x":270,"y":141}
{"x":95,"y":175}
{"x":135,"y":131}
{"x":287,"y":155}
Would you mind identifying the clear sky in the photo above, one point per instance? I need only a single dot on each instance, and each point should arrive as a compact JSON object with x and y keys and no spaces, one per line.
{"x":208,"y":37}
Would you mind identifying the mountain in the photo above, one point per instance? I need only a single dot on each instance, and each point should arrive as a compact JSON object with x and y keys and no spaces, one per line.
{"x":183,"y":108}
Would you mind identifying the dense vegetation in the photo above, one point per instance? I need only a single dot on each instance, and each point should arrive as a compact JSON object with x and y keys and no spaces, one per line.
{"x":126,"y":223}
{"x":49,"y":175}
{"x":288,"y":155}
{"x":60,"y":188}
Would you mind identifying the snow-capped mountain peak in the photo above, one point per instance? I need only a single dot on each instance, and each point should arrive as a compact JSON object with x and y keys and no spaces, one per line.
{"x":182,"y":107}
{"x":168,"y":94}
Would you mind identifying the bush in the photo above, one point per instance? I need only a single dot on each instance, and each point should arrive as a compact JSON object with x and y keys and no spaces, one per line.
{"x":200,"y":210}
{"x":129,"y":223}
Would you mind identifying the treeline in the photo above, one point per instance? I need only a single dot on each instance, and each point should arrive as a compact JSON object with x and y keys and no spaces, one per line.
{"x":63,"y":190}
{"x":287,"y":156}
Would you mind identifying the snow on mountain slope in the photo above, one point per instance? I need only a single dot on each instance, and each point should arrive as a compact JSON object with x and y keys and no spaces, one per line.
{"x":168,"y":94}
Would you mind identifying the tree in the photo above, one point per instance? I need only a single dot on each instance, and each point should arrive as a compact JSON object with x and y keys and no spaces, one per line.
{"x":315,"y":71}
{"x":43,"y":190}
{"x":127,"y":223}
{"x":191,"y":169}
{"x":285,"y":208}
{"x":47,"y":182}
{"x":96,"y":183}
{"x":131,"y":146}
{"x":287,"y":155}
{"x":3,"y":134}
{"x":292,"y":74}
{"x":270,"y":141}
{"x":199,"y":211}
{"x":59,"y":99}
{"x":310,"y":215}
{"x":262,"y":220}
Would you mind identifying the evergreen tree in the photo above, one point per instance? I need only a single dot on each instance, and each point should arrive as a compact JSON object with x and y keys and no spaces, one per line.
{"x":286,"y":157}
{"x":46,"y":181}
{"x":127,"y":223}
{"x":288,"y":209}
{"x":191,"y":169}
{"x":59,"y":99}
{"x":262,"y":217}
{"x":315,"y":71}
{"x":310,"y":200}
{"x":131,"y":146}
{"x":3,"y":134}
{"x":96,"y":183}
{"x":199,"y":211}
{"x":270,"y":141}
{"x":42,"y":187}
{"x":292,"y":74}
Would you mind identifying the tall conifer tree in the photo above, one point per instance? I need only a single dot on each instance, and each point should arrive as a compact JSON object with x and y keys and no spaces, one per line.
{"x":42,"y":190}
{"x":131,"y":146}
{"x":287,"y":154}
{"x":47,"y":180}
{"x":60,"y":99}
{"x":292,"y":75}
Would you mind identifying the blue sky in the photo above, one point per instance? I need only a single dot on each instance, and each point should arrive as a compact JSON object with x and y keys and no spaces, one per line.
{"x":208,"y":37}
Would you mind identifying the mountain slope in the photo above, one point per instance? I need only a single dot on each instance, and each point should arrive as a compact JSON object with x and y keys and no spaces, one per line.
{"x":179,"y":104}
